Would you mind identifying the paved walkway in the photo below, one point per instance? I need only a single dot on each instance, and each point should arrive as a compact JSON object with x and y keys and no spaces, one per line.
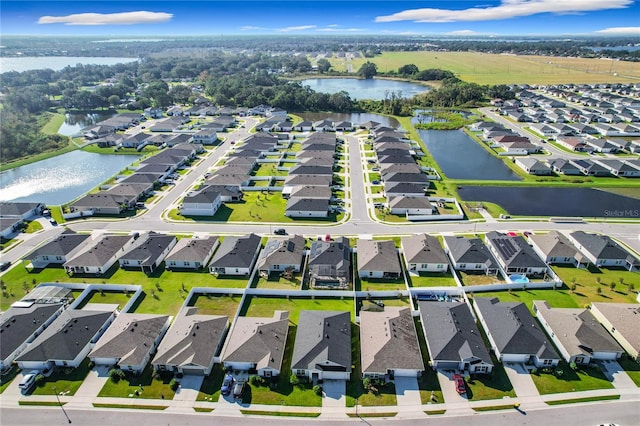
{"x":90,"y":388}
{"x":333,"y":398}
{"x":619,"y":378}
{"x":408,"y":397}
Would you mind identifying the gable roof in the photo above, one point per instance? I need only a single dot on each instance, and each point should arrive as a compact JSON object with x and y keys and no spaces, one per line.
{"x":282,"y":251}
{"x":258,"y":340}
{"x":67,"y":336}
{"x":150,"y":249}
{"x":192,"y":339}
{"x":99,"y":253}
{"x":236,"y":252}
{"x":323,"y":341}
{"x":378,"y":255}
{"x":388,"y":341}
{"x":130,"y":337}
{"x":624,"y":317}
{"x":514,"y":251}
{"x":451,"y":332}
{"x":308,"y":204}
{"x":62,"y":245}
{"x":192,"y":249}
{"x":602,"y":246}
{"x":555,"y":244}
{"x":423,"y":248}
{"x":469,"y":250}
{"x":10,"y":208}
{"x":513,"y":328}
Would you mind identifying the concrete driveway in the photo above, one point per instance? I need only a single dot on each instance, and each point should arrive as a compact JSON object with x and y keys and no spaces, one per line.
{"x":334,"y":393}
{"x":407,"y":392}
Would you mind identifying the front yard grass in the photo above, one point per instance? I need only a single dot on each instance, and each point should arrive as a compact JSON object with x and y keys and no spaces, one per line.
{"x":431,"y":279}
{"x":210,"y":304}
{"x":565,"y":379}
{"x":280,"y":391}
{"x":265,"y":306}
{"x":146,"y":385}
{"x":493,"y":386}
{"x":33,"y":226}
{"x":631,"y":367}
{"x":210,"y":389}
{"x":63,"y":380}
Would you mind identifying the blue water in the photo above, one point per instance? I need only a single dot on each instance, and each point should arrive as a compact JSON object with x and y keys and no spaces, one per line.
{"x":365,"y":89}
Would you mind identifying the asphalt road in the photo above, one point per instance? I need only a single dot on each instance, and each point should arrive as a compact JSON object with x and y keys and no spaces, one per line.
{"x":619,"y":412}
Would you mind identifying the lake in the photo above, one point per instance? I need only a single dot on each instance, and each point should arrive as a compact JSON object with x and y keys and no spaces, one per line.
{"x":56,"y":63}
{"x":74,"y":123}
{"x":60,"y":179}
{"x":356,"y":118}
{"x":540,"y":201}
{"x":460,"y":157}
{"x":365,"y":89}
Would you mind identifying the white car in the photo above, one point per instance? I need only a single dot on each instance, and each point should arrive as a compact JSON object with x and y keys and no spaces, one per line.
{"x":28,"y":380}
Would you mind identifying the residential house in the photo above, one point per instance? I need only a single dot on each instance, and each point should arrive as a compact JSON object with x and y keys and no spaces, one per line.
{"x":100,"y":256}
{"x":602,"y":251}
{"x":191,"y":253}
{"x":281,"y":254}
{"x":58,"y":250}
{"x":564,"y":166}
{"x":514,"y":334}
{"x":389,"y":345}
{"x":322,"y":350}
{"x":555,"y":248}
{"x":470,"y":255}
{"x":378,"y":259}
{"x":204,"y":203}
{"x":205,"y":136}
{"x":10,"y":225}
{"x":602,"y":145}
{"x":330,"y":264}
{"x":20,"y":325}
{"x":514,"y":255}
{"x":405,"y":189}
{"x":410,"y":205}
{"x":192,"y":344}
{"x":453,"y":339}
{"x":103,"y":203}
{"x":533,"y":166}
{"x":25,"y":210}
{"x":149,"y":253}
{"x":236,"y":255}
{"x":130,"y":341}
{"x":622,"y":321}
{"x":67,"y":341}
{"x":307,"y":207}
{"x":590,"y":168}
{"x":257,"y":344}
{"x":228,"y":193}
{"x":577,"y":334}
{"x":423,"y":253}
{"x":308,"y":191}
{"x":303,"y":126}
{"x":619,"y":168}
{"x":572,"y":142}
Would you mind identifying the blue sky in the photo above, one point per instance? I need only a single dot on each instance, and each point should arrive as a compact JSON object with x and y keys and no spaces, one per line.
{"x":231,"y":17}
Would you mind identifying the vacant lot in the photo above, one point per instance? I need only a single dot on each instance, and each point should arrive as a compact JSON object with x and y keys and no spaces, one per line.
{"x":487,"y":68}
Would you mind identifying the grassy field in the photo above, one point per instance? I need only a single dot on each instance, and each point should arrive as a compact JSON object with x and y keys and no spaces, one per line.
{"x":561,"y":298}
{"x":274,"y":280}
{"x":266,"y":306}
{"x":431,"y":279}
{"x":477,"y":278}
{"x":53,"y":125}
{"x":208,"y":304}
{"x":164,"y":290}
{"x":487,"y":68}
{"x":108,"y":297}
{"x":589,"y":280}
{"x":374,"y":284}
{"x":146,"y":386}
{"x":567,"y":380}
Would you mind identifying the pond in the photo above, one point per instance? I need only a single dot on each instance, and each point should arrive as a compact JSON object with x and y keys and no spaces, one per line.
{"x":541,"y":201}
{"x":74,"y":123}
{"x":460,"y":157}
{"x":376,"y":89}
{"x":356,"y":118}
{"x":59,"y":180}
{"x":56,"y":63}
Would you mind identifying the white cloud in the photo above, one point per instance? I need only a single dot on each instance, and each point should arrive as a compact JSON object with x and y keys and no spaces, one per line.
{"x":298,"y":28}
{"x":620,"y":30}
{"x":507,"y":9}
{"x":123,"y":18}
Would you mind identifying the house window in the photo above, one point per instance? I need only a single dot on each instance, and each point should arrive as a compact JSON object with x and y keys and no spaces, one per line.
{"x":424,"y":266}
{"x":613,"y":330}
{"x":547,"y":362}
{"x":125,"y":262}
{"x":58,"y":257}
{"x":463,"y":265}
{"x":187,"y":263}
{"x":172,"y":263}
{"x":45,"y":257}
{"x":299,"y":372}
{"x":440,"y":266}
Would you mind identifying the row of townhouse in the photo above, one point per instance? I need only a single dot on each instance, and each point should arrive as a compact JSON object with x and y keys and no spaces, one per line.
{"x":14,"y":214}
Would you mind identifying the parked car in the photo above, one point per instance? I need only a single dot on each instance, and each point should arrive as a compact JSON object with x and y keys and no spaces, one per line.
{"x":4,"y":265}
{"x":53,"y":221}
{"x":238,"y":390}
{"x":28,"y":380}
{"x":280,"y":231}
{"x":375,"y":182}
{"x":460,"y":385}
{"x":227,"y":384}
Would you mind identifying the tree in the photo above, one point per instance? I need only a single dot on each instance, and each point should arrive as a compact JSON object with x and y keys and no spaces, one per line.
{"x":323,"y":65}
{"x":612,"y":286}
{"x":599,"y":291}
{"x":408,"y":70}
{"x":114,"y":100}
{"x":368,"y":70}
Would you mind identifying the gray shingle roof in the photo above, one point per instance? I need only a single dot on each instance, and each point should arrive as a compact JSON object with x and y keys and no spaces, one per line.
{"x":423,"y":248}
{"x":320,"y":205}
{"x":389,"y":341}
{"x":378,"y":255}
{"x":514,"y":251}
{"x":330,"y":259}
{"x":554,"y":244}
{"x":130,"y":337}
{"x":323,"y":341}
{"x":602,"y":246}
{"x":624,"y":317}
{"x":18,"y":324}
{"x":236,"y":252}
{"x":99,"y":253}
{"x":514,"y":329}
{"x":469,"y":250}
{"x":282,"y":251}
{"x":150,"y":249}
{"x":451,"y":332}
{"x":192,"y":249}
{"x":60,"y":246}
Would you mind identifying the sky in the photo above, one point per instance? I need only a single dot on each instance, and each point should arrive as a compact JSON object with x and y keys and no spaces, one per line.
{"x":321,"y":17}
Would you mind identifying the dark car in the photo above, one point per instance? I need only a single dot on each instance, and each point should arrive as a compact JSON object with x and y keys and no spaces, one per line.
{"x":460,"y":385}
{"x":227,"y":383}
{"x":4,"y":265}
{"x":238,"y":390}
{"x":280,"y":231}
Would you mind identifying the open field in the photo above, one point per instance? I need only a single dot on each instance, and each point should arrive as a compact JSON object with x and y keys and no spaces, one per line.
{"x":487,"y":68}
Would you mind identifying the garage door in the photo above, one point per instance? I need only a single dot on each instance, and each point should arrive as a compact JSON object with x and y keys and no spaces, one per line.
{"x":193,"y":371}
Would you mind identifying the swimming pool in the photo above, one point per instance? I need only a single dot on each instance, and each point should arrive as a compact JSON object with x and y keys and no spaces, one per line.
{"x":517,"y":278}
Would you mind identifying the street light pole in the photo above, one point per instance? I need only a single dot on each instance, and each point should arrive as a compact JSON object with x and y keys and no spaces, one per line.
{"x":60,"y":404}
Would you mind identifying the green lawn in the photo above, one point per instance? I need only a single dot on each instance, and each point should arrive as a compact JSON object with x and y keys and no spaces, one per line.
{"x":33,"y":226}
{"x":209,"y":304}
{"x":280,"y":391}
{"x":564,"y":379}
{"x":266,"y":306}
{"x":428,"y":383}
{"x":586,"y":281}
{"x":274,"y":280}
{"x":477,"y":278}
{"x":369,"y":305}
{"x":146,"y":386}
{"x":109,"y":297}
{"x":631,"y":367}
{"x":63,"y":380}
{"x":431,"y":279}
{"x":53,"y":125}
{"x":7,"y":378}
{"x":168,"y":298}
{"x":373,"y":284}
{"x":269,"y":170}
{"x":210,"y":389}
{"x":556,"y":298}
{"x":588,"y":399}
{"x":494,"y":386}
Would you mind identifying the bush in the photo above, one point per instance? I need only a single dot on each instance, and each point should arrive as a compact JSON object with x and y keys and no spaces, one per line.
{"x":317,"y":389}
{"x":174,"y":384}
{"x":293,"y":379}
{"x":115,"y":375}
{"x":366,"y":383}
{"x":256,"y":380}
{"x":39,"y":380}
